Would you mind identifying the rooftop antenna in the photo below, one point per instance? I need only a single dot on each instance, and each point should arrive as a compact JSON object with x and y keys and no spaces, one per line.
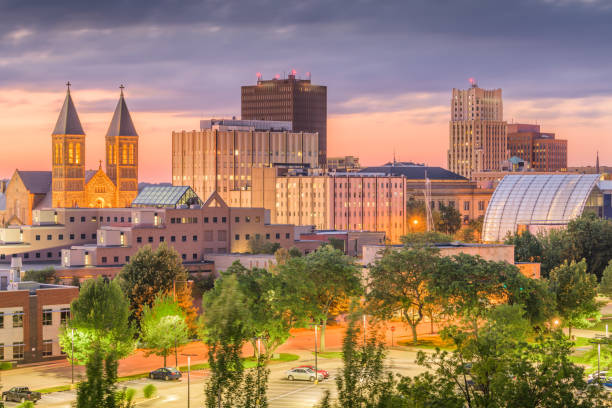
{"x":394,"y":156}
{"x":597,"y":163}
{"x":473,"y":82}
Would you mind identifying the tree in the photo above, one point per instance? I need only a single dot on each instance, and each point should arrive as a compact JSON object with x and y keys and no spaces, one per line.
{"x":477,"y":224}
{"x":259,"y":246}
{"x":467,"y":234}
{"x":575,"y":290}
{"x":605,"y":286}
{"x":590,"y":238}
{"x":527,"y":247}
{"x":101,"y":312}
{"x":223,"y":326}
{"x":398,"y":283}
{"x":449,"y":220}
{"x":150,"y":273}
{"x":163,"y":327}
{"x":46,"y":275}
{"x":425,"y":238}
{"x":324,"y":281}
{"x":100,"y":317}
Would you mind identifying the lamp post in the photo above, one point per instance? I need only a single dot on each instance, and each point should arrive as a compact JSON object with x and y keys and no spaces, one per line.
{"x":599,"y":341}
{"x":72,"y":356}
{"x":188,"y":377}
{"x":316,"y":365}
{"x":392,"y":330}
{"x":364,"y":330}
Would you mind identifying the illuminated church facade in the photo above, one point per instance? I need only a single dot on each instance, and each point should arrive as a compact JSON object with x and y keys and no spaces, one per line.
{"x":71,"y":184}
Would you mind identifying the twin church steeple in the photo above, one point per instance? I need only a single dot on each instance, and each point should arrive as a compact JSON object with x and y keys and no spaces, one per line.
{"x":72,"y":185}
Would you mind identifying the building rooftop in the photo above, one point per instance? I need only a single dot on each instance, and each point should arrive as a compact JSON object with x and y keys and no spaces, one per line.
{"x":68,"y":122}
{"x":166,"y":197}
{"x":246,"y":124}
{"x":121,"y":124}
{"x":531,"y":199}
{"x":37,"y":182}
{"x":413,"y":171}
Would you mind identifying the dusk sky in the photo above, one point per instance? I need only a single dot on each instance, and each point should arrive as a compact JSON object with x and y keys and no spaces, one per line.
{"x":389,"y":67}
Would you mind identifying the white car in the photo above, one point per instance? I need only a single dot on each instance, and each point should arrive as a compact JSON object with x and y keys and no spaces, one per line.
{"x":302,"y":373}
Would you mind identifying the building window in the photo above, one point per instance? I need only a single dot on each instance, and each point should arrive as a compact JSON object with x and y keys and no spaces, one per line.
{"x":18,"y":319}
{"x":18,"y":351}
{"x":60,"y":237}
{"x":93,"y":236}
{"x":71,"y":236}
{"x":38,"y":237}
{"x":150,"y":239}
{"x":466,"y":206}
{"x":83,"y":236}
{"x":195,"y":256}
{"x":47,"y":348}
{"x":195,"y":238}
{"x":49,"y":255}
{"x":221,"y":235}
{"x":247,"y":219}
{"x":237,"y":237}
{"x":49,"y":237}
{"x":215,"y":220}
{"x":287,"y":235}
{"x":122,"y":219}
{"x":26,"y":255}
{"x":237,"y":219}
{"x":1,"y":351}
{"x":277,"y":235}
{"x":104,"y":259}
{"x":115,"y":219}
{"x":47,"y":317}
{"x":161,"y":239}
{"x":205,"y":220}
{"x":481,"y":205}
{"x":183,"y":256}
{"x":107,"y":219}
{"x":184,"y":238}
{"x":64,"y":316}
{"x":38,"y":255}
{"x":82,"y":219}
{"x":267,"y":236}
{"x":1,"y":321}
{"x":247,"y":236}
{"x":127,"y":258}
{"x":223,"y":220}
{"x":172,"y":238}
{"x":116,"y":259}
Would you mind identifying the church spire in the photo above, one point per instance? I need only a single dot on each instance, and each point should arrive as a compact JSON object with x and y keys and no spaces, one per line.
{"x":68,"y":122}
{"x":121,"y":124}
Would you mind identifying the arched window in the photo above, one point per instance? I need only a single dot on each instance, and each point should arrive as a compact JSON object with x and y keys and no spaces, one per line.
{"x":124,"y":157}
{"x":110,"y":154}
{"x":131,"y":154}
{"x":78,"y":153}
{"x":70,"y":153}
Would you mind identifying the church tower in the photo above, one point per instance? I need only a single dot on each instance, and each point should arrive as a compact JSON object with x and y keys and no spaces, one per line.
{"x":122,"y":154}
{"x":68,"y":157}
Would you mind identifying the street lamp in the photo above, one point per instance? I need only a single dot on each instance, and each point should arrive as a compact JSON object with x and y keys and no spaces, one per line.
{"x":72,"y":355}
{"x":188,"y":377}
{"x":316,"y":365}
{"x":599,"y":341}
{"x":392,"y":330}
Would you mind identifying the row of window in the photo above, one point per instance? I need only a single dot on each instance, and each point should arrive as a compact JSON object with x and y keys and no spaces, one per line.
{"x":258,"y":236}
{"x":60,"y":237}
{"x":115,"y":259}
{"x":101,"y":219}
{"x":208,"y":236}
{"x":47,"y":317}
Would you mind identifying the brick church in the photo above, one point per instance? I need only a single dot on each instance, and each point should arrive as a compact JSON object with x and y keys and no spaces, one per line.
{"x":69,"y":184}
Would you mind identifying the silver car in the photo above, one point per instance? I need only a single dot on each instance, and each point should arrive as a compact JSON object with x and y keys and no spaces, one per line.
{"x":301,"y":373}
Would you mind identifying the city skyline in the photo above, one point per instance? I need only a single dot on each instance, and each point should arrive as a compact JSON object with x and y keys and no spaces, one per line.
{"x":394,"y":78}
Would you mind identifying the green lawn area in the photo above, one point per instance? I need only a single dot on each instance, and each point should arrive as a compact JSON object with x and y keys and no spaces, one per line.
{"x":329,"y":354}
{"x":428,"y":342}
{"x":55,"y":389}
{"x":601,"y":325}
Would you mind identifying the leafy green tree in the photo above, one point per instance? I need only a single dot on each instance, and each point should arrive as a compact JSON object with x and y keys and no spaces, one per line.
{"x":163,"y":327}
{"x":337,"y":243}
{"x":100,"y":317}
{"x":397,"y":284}
{"x":467,"y":234}
{"x":527,"y":247}
{"x":324,"y":281}
{"x":590,"y":238}
{"x":555,"y":250}
{"x":225,"y":330}
{"x":449,"y":220}
{"x":477,"y":224}
{"x":46,"y":275}
{"x":425,"y":238}
{"x":150,"y":273}
{"x":605,"y":286}
{"x":260,"y":246}
{"x":575,"y":290}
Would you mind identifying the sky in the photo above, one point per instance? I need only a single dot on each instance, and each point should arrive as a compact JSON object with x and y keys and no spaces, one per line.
{"x":389,"y":67}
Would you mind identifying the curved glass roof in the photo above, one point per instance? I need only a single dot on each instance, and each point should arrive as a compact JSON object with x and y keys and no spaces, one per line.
{"x":536,"y":199}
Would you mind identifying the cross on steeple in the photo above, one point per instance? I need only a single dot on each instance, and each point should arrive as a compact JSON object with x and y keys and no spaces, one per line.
{"x":100,"y":165}
{"x":68,"y":85}
{"x":122,"y":88}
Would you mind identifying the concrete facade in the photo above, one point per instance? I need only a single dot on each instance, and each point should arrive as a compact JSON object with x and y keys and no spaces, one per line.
{"x":477,"y":131}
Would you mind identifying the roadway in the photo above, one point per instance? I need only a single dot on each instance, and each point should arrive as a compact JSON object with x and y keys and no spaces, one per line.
{"x":281,"y":392}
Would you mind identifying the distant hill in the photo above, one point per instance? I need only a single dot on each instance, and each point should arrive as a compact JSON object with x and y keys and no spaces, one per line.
{"x":143,"y":185}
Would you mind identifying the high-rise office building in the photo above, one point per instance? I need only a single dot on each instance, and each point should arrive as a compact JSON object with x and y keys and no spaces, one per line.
{"x":541,"y":150}
{"x":477,"y":131}
{"x":290,"y":99}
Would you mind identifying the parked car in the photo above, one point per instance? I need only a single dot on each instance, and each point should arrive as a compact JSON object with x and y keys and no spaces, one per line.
{"x":300,"y":373}
{"x":606,"y":381}
{"x":320,"y":371}
{"x":165,"y":373}
{"x":21,"y":394}
{"x":601,"y":374}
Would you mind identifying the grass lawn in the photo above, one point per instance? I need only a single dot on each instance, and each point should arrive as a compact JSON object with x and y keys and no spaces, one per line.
{"x":55,"y":389}
{"x":329,"y":354}
{"x":428,"y":342}
{"x":601,"y":325}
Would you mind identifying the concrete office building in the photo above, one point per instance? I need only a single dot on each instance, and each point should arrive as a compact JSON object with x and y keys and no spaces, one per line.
{"x":289,"y":99}
{"x":344,"y":163}
{"x":541,"y":150}
{"x":477,"y":131}
{"x":218,"y":160}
